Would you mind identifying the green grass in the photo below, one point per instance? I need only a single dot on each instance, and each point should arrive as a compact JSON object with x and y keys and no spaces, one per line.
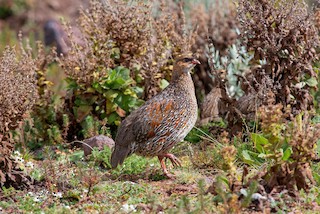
{"x":70,"y":183}
{"x":136,"y":185}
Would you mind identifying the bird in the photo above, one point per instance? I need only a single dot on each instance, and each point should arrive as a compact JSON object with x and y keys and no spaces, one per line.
{"x":162,"y":121}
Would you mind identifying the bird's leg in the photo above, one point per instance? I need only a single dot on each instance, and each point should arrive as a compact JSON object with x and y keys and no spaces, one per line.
{"x":174,"y":160}
{"x":164,"y":168}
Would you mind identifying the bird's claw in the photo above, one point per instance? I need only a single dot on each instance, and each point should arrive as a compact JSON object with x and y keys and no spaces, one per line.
{"x":174,"y":160}
{"x":169,"y":175}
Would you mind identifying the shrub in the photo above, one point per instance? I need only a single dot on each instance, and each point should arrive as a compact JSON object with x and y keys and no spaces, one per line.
{"x":215,"y":21}
{"x":283,"y":40}
{"x":282,"y":33}
{"x":124,"y":57}
{"x":18,"y":93}
{"x":291,"y":145}
{"x":47,"y":123}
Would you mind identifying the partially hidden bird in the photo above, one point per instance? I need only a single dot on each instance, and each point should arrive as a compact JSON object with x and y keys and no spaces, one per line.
{"x":164,"y":120}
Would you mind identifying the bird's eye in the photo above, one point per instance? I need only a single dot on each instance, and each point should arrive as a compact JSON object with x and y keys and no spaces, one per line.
{"x":187,"y":59}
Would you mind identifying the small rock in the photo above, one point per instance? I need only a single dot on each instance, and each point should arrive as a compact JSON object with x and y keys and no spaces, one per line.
{"x":97,"y":141}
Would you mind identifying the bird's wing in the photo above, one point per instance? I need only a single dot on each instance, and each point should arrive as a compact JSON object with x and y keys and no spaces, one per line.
{"x":140,"y":126}
{"x":125,"y":137}
{"x":144,"y":123}
{"x":157,"y":116}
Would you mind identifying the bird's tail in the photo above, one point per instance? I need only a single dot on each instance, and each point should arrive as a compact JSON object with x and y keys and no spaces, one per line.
{"x":118,"y":155}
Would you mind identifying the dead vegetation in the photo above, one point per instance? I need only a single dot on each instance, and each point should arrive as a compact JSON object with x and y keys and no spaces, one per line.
{"x":118,"y":34}
{"x":283,"y":38}
{"x":18,"y":95}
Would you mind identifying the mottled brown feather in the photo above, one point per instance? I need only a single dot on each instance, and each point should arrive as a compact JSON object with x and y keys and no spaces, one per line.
{"x":162,"y":121}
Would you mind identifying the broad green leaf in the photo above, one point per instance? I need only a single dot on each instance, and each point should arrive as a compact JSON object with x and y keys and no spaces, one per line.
{"x":287,"y":153}
{"x":112,"y":75}
{"x":105,"y":85}
{"x":114,"y":118}
{"x":163,"y":84}
{"x":118,"y":78}
{"x":130,"y":92}
{"x":110,"y":107}
{"x":76,"y":156}
{"x":259,"y":141}
{"x":258,"y":138}
{"x":111,"y":94}
{"x":312,"y":82}
{"x":79,"y":101}
{"x":96,"y":86}
{"x":71,"y":84}
{"x":246,"y":156}
{"x":262,"y":155}
{"x":90,"y":90}
{"x":316,"y":119}
{"x":223,"y":180}
{"x":85,"y":100}
{"x":118,"y":83}
{"x":137,"y":90}
{"x":123,"y":72}
{"x":126,"y":102}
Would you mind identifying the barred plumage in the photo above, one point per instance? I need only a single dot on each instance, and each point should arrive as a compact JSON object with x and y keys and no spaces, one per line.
{"x":154,"y":128}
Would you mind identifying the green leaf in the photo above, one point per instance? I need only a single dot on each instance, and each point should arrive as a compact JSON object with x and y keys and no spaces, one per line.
{"x":130,"y":92}
{"x":287,"y":153}
{"x":119,"y":83}
{"x":316,"y":119}
{"x":76,"y":156}
{"x":126,"y":102}
{"x":118,"y":78}
{"x":84,"y":101}
{"x":123,"y":72}
{"x":223,"y":179}
{"x":163,"y":84}
{"x":316,"y":177}
{"x":137,"y":90}
{"x":111,"y":94}
{"x":79,"y":101}
{"x":259,"y":141}
{"x":90,"y":90}
{"x":246,"y":156}
{"x":97,"y":87}
{"x":71,"y":84}
{"x":112,"y":74}
{"x":262,"y":155}
{"x":312,"y":82}
{"x":114,"y":118}
{"x":110,"y":107}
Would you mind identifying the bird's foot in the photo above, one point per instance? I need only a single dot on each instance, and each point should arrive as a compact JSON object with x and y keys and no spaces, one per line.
{"x":169,"y":175}
{"x":174,"y":160}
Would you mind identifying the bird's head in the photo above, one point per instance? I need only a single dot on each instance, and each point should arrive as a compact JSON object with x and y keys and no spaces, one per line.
{"x":183,"y":65}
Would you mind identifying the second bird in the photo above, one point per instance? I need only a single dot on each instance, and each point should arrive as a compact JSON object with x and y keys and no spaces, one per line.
{"x":164,"y":120}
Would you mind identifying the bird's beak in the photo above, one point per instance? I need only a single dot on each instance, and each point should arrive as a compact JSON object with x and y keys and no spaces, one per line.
{"x":195,"y":62}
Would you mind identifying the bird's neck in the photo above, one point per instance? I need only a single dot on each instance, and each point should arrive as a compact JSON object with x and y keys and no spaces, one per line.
{"x":184,"y":82}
